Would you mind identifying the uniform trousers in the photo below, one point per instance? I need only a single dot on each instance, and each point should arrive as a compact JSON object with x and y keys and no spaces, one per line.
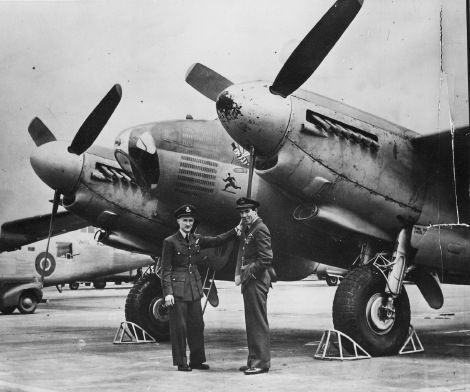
{"x":255,"y":295}
{"x":186,"y":322}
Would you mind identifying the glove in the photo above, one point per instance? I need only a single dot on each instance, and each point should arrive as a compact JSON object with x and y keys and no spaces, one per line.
{"x":169,"y":300}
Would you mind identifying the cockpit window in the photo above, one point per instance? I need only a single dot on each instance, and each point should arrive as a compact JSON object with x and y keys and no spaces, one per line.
{"x":144,"y":142}
{"x":137,"y":154}
{"x":123,"y":159}
{"x":64,"y":249}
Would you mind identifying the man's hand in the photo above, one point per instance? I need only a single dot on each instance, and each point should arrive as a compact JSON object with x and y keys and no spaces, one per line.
{"x":169,"y":300}
{"x":239,"y":229}
{"x":237,"y":280}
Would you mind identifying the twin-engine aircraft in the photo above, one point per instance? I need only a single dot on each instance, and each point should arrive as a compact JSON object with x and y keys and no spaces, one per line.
{"x":336,"y":185}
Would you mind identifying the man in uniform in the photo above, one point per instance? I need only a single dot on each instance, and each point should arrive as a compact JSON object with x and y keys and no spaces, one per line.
{"x":182,"y":288}
{"x":253,"y":272}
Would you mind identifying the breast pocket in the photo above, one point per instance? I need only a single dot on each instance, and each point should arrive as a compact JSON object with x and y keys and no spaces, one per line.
{"x":177,"y":283}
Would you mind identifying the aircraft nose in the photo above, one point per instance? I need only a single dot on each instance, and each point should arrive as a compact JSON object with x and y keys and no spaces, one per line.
{"x":254,"y":117}
{"x":56,"y":166}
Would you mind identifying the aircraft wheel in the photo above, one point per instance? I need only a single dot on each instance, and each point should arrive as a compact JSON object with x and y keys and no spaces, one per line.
{"x":99,"y":285}
{"x":358,"y":312}
{"x":7,"y":309}
{"x":74,"y":286}
{"x":144,"y":307}
{"x":331,"y":280}
{"x":27,"y":303}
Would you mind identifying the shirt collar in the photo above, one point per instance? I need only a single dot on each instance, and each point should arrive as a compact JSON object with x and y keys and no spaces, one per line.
{"x":253,"y":223}
{"x":183,"y":234}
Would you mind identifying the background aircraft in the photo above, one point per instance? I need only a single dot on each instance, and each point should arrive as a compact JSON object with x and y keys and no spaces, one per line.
{"x":346,"y":81}
{"x":75,"y":256}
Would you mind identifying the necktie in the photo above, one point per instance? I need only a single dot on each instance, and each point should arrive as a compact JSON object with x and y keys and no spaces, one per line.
{"x":187,"y":238}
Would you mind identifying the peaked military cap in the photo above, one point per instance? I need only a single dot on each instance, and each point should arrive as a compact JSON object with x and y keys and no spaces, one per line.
{"x":244,"y":202}
{"x":185,"y":210}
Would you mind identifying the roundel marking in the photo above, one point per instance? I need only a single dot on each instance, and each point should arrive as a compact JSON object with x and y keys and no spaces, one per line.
{"x":45,"y":265}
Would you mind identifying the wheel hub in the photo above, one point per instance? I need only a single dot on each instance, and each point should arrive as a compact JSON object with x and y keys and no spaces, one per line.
{"x":380,"y":314}
{"x":27,"y":303}
{"x":158,"y":311}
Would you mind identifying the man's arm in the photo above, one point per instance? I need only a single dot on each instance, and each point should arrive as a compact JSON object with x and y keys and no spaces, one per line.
{"x":212,"y":242}
{"x":167,"y":262}
{"x":264,"y":250}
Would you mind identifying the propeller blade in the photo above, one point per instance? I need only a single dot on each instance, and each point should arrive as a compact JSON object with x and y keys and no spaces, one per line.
{"x":316,"y":45}
{"x":206,"y":81}
{"x":55,"y":206}
{"x":250,"y":173}
{"x":40,"y":133}
{"x":96,"y":121}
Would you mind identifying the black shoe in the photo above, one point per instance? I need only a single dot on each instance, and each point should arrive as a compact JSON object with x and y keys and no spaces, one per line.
{"x":243,"y":368}
{"x":255,"y":370}
{"x":184,"y":368}
{"x":200,"y":366}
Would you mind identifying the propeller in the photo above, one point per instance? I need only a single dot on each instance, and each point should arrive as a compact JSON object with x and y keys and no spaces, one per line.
{"x":90,"y":128}
{"x":256,"y":116}
{"x":206,"y":81}
{"x":55,"y":207}
{"x":96,"y":121}
{"x":57,"y":165}
{"x":316,"y":45}
{"x":40,"y":133}
{"x":250,"y":172}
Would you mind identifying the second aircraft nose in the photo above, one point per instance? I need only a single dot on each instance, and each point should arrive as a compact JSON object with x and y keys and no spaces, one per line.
{"x":58,"y":168}
{"x":254,"y":117}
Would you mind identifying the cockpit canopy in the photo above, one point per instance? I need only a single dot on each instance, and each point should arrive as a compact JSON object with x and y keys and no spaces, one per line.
{"x":136,"y":153}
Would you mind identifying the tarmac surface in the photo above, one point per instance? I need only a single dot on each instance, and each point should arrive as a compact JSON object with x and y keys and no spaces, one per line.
{"x":67,"y":346}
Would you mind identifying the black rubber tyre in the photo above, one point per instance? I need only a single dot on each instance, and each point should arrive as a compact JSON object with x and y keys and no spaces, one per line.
{"x":8,"y":309}
{"x":331,"y":280}
{"x":27,"y":303}
{"x":144,"y":307}
{"x":99,"y":285}
{"x":355,"y":312}
{"x":74,"y":286}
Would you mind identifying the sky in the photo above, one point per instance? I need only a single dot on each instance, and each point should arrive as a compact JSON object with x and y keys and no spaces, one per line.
{"x":59,"y":58}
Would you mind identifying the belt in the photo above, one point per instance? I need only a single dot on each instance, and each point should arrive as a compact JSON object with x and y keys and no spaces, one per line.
{"x":182,"y":269}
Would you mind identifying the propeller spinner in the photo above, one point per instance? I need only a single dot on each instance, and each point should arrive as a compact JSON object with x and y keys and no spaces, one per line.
{"x":58,"y":164}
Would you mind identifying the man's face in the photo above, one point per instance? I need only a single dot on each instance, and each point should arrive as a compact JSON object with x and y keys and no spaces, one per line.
{"x":186,"y":223}
{"x":248,"y":215}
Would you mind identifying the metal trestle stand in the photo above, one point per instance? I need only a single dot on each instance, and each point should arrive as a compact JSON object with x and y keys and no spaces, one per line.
{"x":130,"y":333}
{"x":335,"y":345}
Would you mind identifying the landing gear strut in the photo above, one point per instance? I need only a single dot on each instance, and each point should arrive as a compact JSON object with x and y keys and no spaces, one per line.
{"x":371,"y":305}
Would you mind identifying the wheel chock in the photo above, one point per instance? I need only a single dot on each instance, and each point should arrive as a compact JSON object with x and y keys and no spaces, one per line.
{"x":130,"y":333}
{"x":332,"y":346}
{"x":412,"y":344}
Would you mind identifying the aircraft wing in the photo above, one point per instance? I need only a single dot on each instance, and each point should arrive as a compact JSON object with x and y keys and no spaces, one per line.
{"x":17,"y":233}
{"x":442,"y":141}
{"x":449,"y":160}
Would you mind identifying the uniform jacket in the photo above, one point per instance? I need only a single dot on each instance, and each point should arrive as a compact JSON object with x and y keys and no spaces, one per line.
{"x":255,"y":254}
{"x":180,"y":276}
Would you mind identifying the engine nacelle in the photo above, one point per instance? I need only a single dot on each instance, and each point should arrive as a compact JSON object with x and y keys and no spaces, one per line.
{"x":354,"y":169}
{"x":444,"y":248}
